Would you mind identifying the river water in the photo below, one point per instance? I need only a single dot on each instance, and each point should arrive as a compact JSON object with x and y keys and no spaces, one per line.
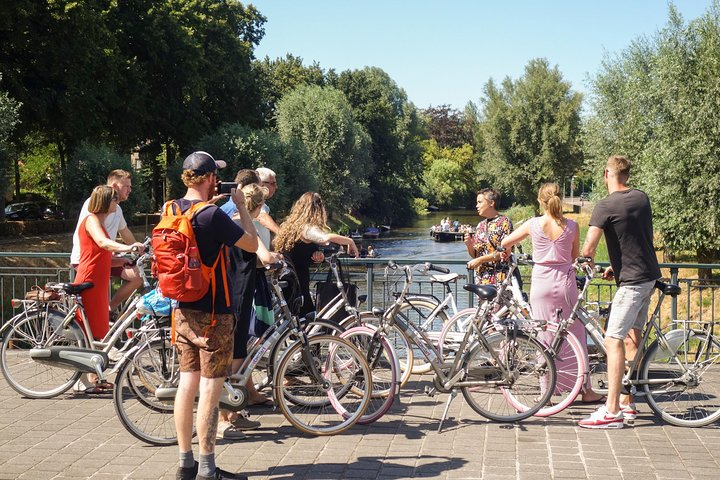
{"x":415,"y":241}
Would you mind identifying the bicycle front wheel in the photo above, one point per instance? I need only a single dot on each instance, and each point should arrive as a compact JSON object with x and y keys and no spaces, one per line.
{"x":518,"y":368}
{"x":141,"y":413}
{"x":570,"y":374}
{"x":684,"y":382}
{"x":331,"y":403}
{"x":37,"y":379}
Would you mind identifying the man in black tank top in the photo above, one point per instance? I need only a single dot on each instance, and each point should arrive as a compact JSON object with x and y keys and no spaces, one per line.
{"x":625,"y":217}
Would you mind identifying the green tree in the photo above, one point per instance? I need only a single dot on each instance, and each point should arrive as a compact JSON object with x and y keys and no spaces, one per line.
{"x":530,"y":131}
{"x":249,"y":148}
{"x":657,"y":102}
{"x":8,"y":120}
{"x":281,"y":76}
{"x":446,"y":182}
{"x":395,"y":130}
{"x":322,"y":119}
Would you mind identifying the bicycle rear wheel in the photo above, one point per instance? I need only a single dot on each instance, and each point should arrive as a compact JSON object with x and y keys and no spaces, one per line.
{"x":520,"y":369}
{"x":384,"y":367}
{"x":141,"y":413}
{"x":31,"y":378}
{"x":570,"y":371}
{"x":685,"y":388}
{"x":328,"y":405}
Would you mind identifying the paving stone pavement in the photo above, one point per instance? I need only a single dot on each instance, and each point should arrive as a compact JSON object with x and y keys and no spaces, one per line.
{"x":79,"y":436}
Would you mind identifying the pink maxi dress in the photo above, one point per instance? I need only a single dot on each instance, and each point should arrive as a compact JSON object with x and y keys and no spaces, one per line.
{"x":553,"y":287}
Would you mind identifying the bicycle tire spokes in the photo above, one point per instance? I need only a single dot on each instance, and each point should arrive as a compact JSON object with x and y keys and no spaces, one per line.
{"x":683,"y":386}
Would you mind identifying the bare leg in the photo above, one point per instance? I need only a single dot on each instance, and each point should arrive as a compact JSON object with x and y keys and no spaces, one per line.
{"x":183,"y":410}
{"x":131,"y":282}
{"x":207,"y":414}
{"x":632,"y":341}
{"x":616,"y":369}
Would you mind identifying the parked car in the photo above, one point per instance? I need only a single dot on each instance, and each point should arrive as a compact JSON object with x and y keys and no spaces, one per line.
{"x":24,"y":211}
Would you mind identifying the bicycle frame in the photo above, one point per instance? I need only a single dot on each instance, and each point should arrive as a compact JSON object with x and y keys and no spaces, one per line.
{"x":447,"y":376}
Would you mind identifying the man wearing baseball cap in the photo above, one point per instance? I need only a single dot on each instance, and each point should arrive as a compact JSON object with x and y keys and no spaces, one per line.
{"x":204,"y":328}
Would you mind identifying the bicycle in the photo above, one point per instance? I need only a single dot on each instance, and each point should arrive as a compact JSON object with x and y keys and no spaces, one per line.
{"x":488,"y":366}
{"x":45,"y":351}
{"x":676,"y":372}
{"x":318,"y":382}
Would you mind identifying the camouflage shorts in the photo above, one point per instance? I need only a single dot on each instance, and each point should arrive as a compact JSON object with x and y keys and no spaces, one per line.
{"x":203,"y":348}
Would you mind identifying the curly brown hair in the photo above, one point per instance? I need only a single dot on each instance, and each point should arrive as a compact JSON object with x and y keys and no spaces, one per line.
{"x":307,"y":211}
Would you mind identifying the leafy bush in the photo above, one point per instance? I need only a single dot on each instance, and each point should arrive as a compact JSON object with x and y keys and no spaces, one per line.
{"x":420,"y":206}
{"x":517,"y":213}
{"x":88,"y":166}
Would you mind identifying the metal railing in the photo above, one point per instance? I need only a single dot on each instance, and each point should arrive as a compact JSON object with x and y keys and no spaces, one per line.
{"x":699,"y":301}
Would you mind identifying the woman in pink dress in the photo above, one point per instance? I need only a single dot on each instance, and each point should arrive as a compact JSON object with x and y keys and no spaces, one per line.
{"x":556,"y":243}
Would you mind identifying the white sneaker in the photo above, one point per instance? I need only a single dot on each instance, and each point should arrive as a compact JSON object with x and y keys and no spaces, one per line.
{"x":601,"y":418}
{"x":629,"y":411}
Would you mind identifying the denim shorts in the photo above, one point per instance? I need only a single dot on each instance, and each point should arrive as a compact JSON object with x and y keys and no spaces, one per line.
{"x":629,"y":309}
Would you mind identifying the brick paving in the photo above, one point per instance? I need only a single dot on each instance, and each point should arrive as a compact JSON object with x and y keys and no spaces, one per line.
{"x":78,"y":436}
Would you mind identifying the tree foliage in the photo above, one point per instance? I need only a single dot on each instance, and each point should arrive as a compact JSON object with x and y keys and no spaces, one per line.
{"x":250,"y":148}
{"x":447,"y":126}
{"x":530,"y":131}
{"x":658,"y":102}
{"x":446,"y":178}
{"x":395,"y":130}
{"x":281,"y":76}
{"x":322,"y":119}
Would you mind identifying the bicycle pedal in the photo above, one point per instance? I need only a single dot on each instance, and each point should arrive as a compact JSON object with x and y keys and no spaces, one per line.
{"x":430,"y":391}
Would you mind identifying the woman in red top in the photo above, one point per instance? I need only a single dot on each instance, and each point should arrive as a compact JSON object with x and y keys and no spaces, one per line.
{"x":95,"y":258}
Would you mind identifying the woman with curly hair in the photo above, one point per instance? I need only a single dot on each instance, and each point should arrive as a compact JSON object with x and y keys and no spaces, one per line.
{"x":299,"y":237}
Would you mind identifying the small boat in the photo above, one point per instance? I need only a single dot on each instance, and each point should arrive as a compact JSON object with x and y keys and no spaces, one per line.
{"x":439,"y":236}
{"x":371,"y":232}
{"x":384,"y":228}
{"x":356,"y":235}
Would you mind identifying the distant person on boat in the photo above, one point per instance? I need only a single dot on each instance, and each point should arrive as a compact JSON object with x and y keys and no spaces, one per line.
{"x":456,"y":225}
{"x":299,"y":239}
{"x":483,"y":244}
{"x":371,"y":252}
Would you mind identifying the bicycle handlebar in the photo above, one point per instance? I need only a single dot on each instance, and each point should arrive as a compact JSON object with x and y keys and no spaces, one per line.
{"x":435,"y":268}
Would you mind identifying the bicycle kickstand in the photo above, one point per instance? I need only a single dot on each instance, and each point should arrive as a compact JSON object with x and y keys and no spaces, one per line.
{"x":453,"y":394}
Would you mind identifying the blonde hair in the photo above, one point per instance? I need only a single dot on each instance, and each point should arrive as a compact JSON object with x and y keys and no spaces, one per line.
{"x":549,"y":199}
{"x":117,"y":175}
{"x":619,"y":166}
{"x":190,"y":178}
{"x":101,"y":198}
{"x":307,"y":211}
{"x":254,"y":196}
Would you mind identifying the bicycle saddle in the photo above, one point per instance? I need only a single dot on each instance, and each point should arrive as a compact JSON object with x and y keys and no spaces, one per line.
{"x":485,"y":292}
{"x":75,"y":288}
{"x":446,"y":278}
{"x":668,"y":288}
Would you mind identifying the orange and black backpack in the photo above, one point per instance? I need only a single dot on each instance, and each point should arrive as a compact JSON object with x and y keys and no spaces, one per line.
{"x":178,"y":267}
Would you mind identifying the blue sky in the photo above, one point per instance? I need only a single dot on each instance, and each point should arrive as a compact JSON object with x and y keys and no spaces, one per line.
{"x":445,"y":52}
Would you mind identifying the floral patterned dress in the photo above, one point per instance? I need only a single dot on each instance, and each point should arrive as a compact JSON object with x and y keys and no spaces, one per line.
{"x":488,"y":235}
